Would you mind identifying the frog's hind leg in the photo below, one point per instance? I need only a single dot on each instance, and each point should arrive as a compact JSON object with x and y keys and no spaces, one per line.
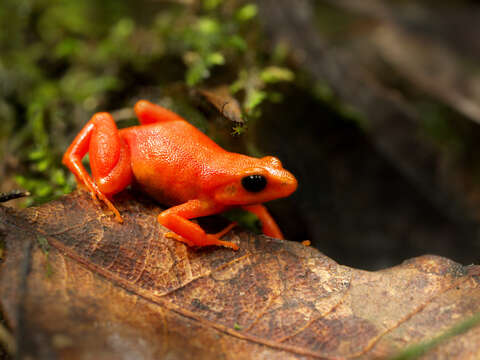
{"x":149,"y":113}
{"x":109,"y":159}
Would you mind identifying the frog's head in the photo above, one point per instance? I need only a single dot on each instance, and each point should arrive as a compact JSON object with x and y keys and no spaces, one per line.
{"x":259,"y":181}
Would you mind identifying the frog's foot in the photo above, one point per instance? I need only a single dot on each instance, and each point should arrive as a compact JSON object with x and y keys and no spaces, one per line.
{"x":208,"y":239}
{"x":172,"y":235}
{"x":176,"y":219}
{"x":97,"y":195}
{"x":109,"y":204}
{"x":216,"y":237}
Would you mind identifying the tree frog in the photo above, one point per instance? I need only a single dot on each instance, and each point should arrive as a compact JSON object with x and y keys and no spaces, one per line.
{"x":178,"y":165}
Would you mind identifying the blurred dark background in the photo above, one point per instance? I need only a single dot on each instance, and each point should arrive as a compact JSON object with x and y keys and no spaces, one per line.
{"x":373,"y":105}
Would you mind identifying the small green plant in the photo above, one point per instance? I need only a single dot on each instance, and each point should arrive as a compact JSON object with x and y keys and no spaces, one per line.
{"x":244,"y":218}
{"x":416,"y":351}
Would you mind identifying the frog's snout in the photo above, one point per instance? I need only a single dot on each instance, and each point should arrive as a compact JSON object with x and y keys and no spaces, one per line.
{"x":288,"y":183}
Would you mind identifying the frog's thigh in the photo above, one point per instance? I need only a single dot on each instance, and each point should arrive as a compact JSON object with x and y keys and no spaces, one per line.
{"x":149,"y":113}
{"x":109,"y":156}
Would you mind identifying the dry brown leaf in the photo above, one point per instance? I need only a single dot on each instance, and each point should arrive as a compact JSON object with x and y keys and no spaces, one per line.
{"x":103,"y":290}
{"x":221,"y":99}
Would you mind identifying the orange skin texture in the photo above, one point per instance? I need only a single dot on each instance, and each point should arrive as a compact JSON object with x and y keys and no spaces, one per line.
{"x":178,"y":165}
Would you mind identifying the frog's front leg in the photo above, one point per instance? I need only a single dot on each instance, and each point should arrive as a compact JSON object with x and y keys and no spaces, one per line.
{"x":177,"y":220}
{"x":269,"y":226}
{"x":109,"y":159}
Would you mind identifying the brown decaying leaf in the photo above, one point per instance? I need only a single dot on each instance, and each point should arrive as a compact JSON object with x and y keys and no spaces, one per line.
{"x":125,"y":291}
{"x":221,"y":99}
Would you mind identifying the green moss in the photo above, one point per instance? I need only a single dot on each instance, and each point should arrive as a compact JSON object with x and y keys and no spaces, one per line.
{"x":246,"y":12}
{"x":436,"y":121}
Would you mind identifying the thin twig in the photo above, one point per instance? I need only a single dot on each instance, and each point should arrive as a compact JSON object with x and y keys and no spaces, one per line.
{"x":14,"y":194}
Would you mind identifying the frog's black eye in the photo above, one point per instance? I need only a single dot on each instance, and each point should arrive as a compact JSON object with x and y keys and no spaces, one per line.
{"x":254,"y":183}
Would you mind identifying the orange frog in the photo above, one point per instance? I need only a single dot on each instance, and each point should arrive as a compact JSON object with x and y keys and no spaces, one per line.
{"x":178,"y":165}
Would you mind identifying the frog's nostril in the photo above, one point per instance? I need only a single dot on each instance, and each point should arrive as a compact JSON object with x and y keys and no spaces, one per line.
{"x":289,"y":183}
{"x":273,"y":161}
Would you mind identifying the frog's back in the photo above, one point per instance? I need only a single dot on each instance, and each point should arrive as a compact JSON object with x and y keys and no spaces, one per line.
{"x":172,"y":160}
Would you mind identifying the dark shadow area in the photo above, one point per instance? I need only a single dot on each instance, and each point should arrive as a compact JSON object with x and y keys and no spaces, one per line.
{"x":351,"y":202}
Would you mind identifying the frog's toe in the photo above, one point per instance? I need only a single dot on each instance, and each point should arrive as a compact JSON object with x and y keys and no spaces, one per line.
{"x":229,"y":244}
{"x":214,"y":240}
{"x":172,"y":235}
